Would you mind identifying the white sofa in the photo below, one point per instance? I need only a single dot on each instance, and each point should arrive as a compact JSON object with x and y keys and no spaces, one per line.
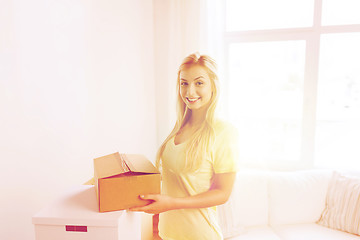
{"x":267,"y":205}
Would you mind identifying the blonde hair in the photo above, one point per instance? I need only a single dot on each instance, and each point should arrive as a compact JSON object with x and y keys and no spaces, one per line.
{"x":200,"y":144}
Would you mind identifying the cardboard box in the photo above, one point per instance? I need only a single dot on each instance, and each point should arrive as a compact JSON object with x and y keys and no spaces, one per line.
{"x":74,"y":216}
{"x":121,"y":178}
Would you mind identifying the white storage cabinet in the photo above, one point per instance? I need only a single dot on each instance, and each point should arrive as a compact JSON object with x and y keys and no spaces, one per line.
{"x":75,"y":216}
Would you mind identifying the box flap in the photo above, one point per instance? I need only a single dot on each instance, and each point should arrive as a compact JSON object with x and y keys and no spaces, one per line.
{"x":110,"y":165}
{"x":138,"y":163}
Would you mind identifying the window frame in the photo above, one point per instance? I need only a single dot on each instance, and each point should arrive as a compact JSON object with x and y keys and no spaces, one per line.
{"x":311,"y":36}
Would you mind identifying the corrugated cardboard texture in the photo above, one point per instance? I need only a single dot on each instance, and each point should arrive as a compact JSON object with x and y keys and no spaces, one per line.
{"x":110,"y":165}
{"x":137,"y":163}
{"x":121,"y":178}
{"x":123,"y":192}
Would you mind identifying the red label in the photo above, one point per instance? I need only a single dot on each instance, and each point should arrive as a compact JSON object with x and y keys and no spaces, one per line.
{"x":71,"y":228}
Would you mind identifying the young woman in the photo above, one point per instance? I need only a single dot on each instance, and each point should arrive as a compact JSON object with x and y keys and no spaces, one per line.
{"x":197,"y":160}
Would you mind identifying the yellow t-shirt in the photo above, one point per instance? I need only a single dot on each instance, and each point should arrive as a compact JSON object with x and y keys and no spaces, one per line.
{"x":195,"y":224}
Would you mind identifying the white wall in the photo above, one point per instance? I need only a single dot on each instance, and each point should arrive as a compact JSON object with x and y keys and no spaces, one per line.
{"x":76,"y":82}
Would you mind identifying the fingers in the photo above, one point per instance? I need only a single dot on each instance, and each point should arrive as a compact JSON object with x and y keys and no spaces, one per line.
{"x":145,"y":209}
{"x":138,"y":209}
{"x":148,"y":197}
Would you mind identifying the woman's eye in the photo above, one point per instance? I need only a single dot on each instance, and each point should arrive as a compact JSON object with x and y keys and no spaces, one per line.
{"x":183,"y":83}
{"x":199,"y":83}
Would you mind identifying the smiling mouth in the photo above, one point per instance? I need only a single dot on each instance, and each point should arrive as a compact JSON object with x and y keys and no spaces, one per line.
{"x":192,"y":100}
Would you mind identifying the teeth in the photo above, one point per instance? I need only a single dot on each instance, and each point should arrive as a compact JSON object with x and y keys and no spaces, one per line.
{"x":192,"y":99}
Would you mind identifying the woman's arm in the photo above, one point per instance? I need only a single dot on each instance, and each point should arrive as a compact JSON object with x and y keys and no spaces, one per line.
{"x":218,"y":194}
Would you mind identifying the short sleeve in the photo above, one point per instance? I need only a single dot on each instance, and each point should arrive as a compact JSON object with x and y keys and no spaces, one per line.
{"x":225,"y":149}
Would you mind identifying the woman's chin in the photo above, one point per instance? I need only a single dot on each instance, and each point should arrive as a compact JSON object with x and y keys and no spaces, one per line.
{"x":192,"y":106}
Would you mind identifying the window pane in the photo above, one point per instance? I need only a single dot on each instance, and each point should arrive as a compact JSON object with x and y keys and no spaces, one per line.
{"x":266,"y":98}
{"x":265,"y":14}
{"x":338,"y":107}
{"x":337,"y":12}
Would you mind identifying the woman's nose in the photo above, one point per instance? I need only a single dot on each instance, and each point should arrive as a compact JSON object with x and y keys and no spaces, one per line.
{"x":191,"y":90}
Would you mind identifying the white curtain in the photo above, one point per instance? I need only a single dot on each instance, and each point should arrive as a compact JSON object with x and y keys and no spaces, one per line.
{"x":181,"y":27}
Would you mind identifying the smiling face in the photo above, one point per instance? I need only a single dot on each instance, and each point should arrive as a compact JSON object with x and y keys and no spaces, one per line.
{"x":195,"y":87}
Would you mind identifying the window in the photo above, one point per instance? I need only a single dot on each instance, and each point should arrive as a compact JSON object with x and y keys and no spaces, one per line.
{"x":267,"y":100}
{"x":293,"y":86}
{"x":338,"y":114}
{"x":260,"y":14}
{"x":340,"y":12}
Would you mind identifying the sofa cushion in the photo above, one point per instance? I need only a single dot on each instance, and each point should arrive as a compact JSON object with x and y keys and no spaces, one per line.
{"x":257,"y":233}
{"x":342,"y":210}
{"x":247,"y":205}
{"x":311,"y":231}
{"x":298,"y":196}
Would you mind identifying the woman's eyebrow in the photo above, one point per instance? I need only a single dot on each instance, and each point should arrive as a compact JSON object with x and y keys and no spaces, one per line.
{"x":182,"y":79}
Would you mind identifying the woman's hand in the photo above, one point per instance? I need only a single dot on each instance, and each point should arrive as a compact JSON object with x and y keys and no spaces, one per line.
{"x":160,"y":203}
{"x":218,"y":194}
